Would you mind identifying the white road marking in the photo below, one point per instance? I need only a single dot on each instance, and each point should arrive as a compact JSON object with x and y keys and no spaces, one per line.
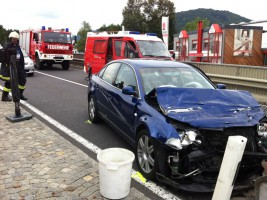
{"x":161,"y":192}
{"x":61,"y":79}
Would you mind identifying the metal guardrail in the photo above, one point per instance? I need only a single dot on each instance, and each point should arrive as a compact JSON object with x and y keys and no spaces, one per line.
{"x":78,"y":63}
{"x":237,"y":77}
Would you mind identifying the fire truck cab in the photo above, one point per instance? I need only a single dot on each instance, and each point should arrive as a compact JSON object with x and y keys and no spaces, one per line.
{"x":103,"y":47}
{"x":48,"y":46}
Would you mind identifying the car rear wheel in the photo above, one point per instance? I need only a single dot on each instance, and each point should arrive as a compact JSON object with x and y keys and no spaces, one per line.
{"x":146,"y":154}
{"x":92,"y":112}
{"x":39,"y":63}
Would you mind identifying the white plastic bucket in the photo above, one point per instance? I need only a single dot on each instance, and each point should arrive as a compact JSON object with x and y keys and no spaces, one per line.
{"x":115,"y":167}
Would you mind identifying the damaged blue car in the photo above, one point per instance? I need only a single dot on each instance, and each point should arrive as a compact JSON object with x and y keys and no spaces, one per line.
{"x":178,"y":121}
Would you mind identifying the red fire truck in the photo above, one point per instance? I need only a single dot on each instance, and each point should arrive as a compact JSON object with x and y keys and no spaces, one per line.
{"x":48,"y":46}
{"x":103,"y":47}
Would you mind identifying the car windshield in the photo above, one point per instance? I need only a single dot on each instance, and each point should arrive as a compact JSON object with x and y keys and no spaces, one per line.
{"x":153,"y":48}
{"x":171,"y":76}
{"x":57,"y":37}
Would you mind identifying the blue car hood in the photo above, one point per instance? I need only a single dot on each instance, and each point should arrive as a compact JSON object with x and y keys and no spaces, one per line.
{"x":210,"y":108}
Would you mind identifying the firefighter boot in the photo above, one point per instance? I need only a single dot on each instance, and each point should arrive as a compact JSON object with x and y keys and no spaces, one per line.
{"x":5,"y":96}
{"x":22,"y":97}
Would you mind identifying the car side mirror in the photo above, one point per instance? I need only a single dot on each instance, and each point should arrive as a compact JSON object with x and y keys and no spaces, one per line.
{"x":128,"y":90}
{"x":221,"y":86}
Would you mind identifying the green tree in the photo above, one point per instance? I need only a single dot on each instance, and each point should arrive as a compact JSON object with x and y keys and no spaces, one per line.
{"x":146,"y":16}
{"x":3,"y":35}
{"x":111,"y":28}
{"x":221,"y":17}
{"x":82,"y":35}
{"x":154,"y":11}
{"x":193,"y":25}
{"x":133,"y":18}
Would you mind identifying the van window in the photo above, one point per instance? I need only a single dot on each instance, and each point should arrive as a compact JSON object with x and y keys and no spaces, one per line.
{"x":128,"y":51}
{"x":100,"y":46}
{"x":118,"y":45}
{"x":40,"y":39}
{"x":132,"y":44}
{"x":153,"y":48}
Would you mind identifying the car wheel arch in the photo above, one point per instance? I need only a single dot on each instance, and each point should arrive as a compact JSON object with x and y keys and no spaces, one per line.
{"x":139,"y":152}
{"x":149,"y":123}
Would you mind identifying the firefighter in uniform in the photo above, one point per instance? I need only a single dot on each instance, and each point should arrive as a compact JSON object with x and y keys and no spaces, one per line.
{"x":5,"y":71}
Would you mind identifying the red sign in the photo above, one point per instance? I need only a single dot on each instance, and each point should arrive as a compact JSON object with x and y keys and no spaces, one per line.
{"x":196,"y":54}
{"x":163,"y":26}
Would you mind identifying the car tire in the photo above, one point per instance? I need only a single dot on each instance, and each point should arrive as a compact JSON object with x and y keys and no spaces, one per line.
{"x":31,"y":74}
{"x":146,"y":154}
{"x":39,"y":64}
{"x":92,"y":111}
{"x":65,"y":65}
{"x":49,"y":64}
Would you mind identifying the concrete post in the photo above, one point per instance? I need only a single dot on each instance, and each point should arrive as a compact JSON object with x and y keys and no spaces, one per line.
{"x":229,"y":168}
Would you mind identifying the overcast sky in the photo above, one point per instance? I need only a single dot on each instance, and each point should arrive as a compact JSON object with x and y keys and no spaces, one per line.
{"x":24,"y":14}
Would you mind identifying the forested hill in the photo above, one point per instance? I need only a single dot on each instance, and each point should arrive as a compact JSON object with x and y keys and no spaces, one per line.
{"x":214,"y":16}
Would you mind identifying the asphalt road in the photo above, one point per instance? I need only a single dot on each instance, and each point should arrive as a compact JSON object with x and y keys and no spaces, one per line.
{"x":62,"y":95}
{"x":66,"y":102}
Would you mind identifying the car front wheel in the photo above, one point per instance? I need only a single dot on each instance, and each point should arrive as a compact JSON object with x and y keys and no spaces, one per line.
{"x":39,"y":63}
{"x":65,"y":65}
{"x":146,"y":155}
{"x":92,"y":112}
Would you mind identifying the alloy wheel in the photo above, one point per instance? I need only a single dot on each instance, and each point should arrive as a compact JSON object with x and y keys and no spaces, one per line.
{"x":145,"y":153}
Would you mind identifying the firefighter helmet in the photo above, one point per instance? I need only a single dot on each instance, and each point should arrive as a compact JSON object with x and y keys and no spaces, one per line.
{"x":14,"y":34}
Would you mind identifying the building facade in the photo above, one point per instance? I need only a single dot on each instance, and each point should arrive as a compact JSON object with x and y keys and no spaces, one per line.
{"x":228,"y":44}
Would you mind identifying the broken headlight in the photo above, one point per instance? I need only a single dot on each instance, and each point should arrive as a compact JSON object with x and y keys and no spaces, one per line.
{"x":262,"y":140}
{"x":187,"y":137}
{"x":174,"y":143}
{"x":262,"y":130}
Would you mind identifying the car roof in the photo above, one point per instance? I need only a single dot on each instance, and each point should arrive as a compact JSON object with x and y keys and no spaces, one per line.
{"x":143,"y":63}
{"x":122,"y":35}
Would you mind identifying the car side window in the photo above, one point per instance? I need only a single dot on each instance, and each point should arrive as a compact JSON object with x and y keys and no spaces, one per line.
{"x":100,"y":74}
{"x":118,"y":45}
{"x":126,"y":77}
{"x":128,"y":51}
{"x":110,"y":72}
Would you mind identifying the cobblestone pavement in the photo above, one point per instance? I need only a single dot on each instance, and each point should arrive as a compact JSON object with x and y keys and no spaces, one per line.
{"x":37,"y":163}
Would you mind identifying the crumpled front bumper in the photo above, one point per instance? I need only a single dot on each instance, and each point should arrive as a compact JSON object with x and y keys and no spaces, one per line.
{"x":204,"y":188}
